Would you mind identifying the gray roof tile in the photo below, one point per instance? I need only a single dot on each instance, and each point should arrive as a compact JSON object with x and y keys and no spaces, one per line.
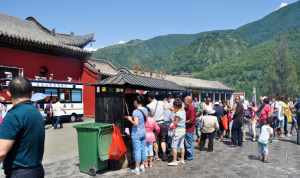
{"x":14,"y":31}
{"x":125,"y":77}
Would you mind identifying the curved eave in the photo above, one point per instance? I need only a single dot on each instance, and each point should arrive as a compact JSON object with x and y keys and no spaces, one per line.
{"x":79,"y":41}
{"x":30,"y":44}
{"x":67,"y":39}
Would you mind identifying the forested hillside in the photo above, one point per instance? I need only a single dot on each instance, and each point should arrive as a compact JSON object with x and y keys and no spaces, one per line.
{"x":242,"y":58}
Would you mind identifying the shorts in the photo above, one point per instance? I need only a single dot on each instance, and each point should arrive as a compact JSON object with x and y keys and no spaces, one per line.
{"x":263,"y":149}
{"x":280,"y":124}
{"x":149,"y":149}
{"x":163,"y":135}
{"x":178,"y":141}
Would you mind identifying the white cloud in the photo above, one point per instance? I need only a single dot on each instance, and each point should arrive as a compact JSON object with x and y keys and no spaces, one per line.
{"x":91,"y":49}
{"x":121,"y":42}
{"x":282,"y":4}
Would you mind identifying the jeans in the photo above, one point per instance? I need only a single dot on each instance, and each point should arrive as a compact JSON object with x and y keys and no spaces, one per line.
{"x":294,"y":125}
{"x":26,"y":173}
{"x":189,"y":146}
{"x":263,"y":149}
{"x":210,"y":137}
{"x":55,"y":121}
{"x":139,"y":148}
{"x":149,"y":149}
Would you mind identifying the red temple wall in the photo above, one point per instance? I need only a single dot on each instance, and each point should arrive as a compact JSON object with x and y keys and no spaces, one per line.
{"x":88,"y":92}
{"x":61,"y":67}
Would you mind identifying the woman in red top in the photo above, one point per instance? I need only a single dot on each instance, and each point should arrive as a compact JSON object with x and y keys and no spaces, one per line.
{"x":266,"y":111}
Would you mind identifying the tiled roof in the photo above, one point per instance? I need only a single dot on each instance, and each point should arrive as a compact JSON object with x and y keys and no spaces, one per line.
{"x":31,"y":34}
{"x":125,"y":77}
{"x":104,"y":66}
{"x":197,"y":83}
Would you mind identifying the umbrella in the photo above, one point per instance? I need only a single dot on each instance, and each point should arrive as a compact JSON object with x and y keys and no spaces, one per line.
{"x":38,"y":96}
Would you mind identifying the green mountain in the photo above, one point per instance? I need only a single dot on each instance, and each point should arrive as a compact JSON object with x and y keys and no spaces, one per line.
{"x":151,"y":53}
{"x":252,"y":67}
{"x":208,"y":49}
{"x":268,"y":27}
{"x":242,"y":58}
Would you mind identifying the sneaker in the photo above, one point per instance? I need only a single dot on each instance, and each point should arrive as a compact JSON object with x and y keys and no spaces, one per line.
{"x":156,"y":158}
{"x":181,"y":162}
{"x":135,"y":171}
{"x":142,"y":168}
{"x":173,"y":163}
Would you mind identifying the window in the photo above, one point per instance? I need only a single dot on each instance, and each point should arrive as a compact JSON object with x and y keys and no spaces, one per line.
{"x":51,"y":92}
{"x":76,"y":95}
{"x":65,"y":95}
{"x":38,"y":90}
{"x":9,"y":72}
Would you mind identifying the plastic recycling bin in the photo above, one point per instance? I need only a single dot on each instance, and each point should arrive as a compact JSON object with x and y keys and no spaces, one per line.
{"x":94,"y":140}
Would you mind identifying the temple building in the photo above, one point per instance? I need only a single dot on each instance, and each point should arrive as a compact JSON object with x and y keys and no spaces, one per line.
{"x":28,"y":47}
{"x":32,"y":50}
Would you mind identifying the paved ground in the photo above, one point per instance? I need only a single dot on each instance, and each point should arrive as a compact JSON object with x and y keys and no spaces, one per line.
{"x":61,"y":160}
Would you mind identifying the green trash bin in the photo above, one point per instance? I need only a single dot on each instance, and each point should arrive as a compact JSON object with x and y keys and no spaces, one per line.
{"x":94,"y":140}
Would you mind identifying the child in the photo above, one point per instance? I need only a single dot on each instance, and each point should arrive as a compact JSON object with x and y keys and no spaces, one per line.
{"x":150,"y":127}
{"x":263,"y":140}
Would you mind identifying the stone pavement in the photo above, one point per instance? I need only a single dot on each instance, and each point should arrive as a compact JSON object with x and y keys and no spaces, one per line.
{"x":61,"y":160}
{"x":224,"y":162}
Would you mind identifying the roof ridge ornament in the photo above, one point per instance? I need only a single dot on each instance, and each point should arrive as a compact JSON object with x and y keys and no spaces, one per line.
{"x":124,"y":70}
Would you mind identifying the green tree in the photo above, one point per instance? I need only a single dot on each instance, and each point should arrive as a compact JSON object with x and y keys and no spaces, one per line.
{"x":281,"y":75}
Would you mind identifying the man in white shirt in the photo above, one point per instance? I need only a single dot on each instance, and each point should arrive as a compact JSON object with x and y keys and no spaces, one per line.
{"x":210,"y":125}
{"x":58,"y":111}
{"x":157,"y":109}
{"x":280,"y":116}
{"x":207,"y":105}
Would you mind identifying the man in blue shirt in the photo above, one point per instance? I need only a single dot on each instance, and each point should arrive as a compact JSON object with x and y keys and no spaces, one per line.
{"x":22,"y":134}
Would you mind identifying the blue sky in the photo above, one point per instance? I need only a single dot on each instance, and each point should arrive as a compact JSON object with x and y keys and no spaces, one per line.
{"x":115,"y":21}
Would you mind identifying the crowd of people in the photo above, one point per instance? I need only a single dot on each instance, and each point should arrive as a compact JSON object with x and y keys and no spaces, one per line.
{"x":160,"y":129}
{"x":175,"y":125}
